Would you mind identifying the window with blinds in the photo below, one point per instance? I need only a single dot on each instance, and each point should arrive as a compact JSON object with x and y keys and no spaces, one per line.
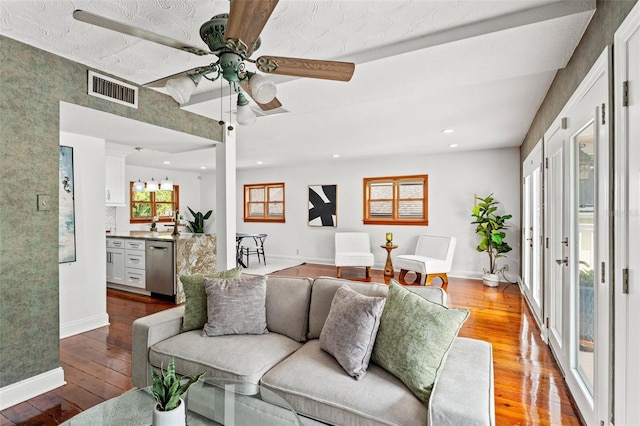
{"x":264,"y":202}
{"x":397,"y":200}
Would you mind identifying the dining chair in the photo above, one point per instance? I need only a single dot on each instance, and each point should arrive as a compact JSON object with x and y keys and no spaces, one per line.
{"x":255,"y":249}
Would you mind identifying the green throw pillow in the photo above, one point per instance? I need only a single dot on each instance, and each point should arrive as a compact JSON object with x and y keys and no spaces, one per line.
{"x":414,"y":338}
{"x":195,"y":306}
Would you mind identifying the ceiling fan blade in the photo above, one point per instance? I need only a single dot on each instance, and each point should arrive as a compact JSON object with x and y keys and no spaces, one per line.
{"x":246,"y":20}
{"x":109,"y":24}
{"x":163,"y":81}
{"x":275,"y":103}
{"x":329,"y":70}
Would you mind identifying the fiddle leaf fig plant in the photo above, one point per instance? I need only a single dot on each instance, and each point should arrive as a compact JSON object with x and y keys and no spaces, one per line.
{"x":168,"y":388}
{"x":197,"y":224}
{"x":490,"y":226}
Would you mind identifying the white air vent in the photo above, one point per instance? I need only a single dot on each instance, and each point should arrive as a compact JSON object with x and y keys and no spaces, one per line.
{"x":112,"y":90}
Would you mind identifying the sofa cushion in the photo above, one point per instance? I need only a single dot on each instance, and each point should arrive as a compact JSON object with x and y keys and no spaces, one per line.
{"x":288,"y":306}
{"x":235,"y":306}
{"x":322,"y":292}
{"x":195,"y":306}
{"x":414,"y":337}
{"x":242,"y":357}
{"x":315,"y":385}
{"x":350,"y":329}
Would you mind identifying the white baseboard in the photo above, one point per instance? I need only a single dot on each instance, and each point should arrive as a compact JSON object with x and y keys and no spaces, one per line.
{"x":23,"y":390}
{"x":86,"y":324}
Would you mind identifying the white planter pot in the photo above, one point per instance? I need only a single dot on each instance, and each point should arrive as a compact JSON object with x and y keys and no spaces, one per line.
{"x":490,"y":280}
{"x":175,"y":417}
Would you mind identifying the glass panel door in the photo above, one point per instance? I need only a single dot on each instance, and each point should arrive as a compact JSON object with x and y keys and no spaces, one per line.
{"x":585,"y":250}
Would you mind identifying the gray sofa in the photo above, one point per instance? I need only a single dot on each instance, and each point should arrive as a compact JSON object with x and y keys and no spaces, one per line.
{"x":288,"y":361}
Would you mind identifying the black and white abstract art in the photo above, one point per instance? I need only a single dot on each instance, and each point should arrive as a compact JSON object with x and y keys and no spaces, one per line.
{"x":323,"y":205}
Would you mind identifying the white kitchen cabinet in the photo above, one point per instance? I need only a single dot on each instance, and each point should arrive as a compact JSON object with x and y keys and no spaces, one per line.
{"x":135,"y":263}
{"x":115,"y":261}
{"x":114,"y":178}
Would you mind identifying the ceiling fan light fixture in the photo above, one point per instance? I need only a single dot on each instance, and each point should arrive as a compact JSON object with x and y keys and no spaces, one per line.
{"x":152,"y":185}
{"x":262,"y":89}
{"x":182,"y":88}
{"x":166,"y":184}
{"x":245,"y":114}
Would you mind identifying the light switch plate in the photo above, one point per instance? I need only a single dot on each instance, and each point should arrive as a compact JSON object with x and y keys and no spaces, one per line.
{"x":44,"y":202}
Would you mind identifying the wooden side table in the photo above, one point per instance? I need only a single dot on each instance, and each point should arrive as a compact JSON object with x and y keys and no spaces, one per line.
{"x":388,"y":267}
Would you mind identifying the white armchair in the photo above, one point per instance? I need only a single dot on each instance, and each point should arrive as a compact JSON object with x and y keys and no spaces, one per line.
{"x":353,"y":249}
{"x":432,"y":258}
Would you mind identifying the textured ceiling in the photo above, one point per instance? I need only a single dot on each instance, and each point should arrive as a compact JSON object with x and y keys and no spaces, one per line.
{"x":479,"y":67}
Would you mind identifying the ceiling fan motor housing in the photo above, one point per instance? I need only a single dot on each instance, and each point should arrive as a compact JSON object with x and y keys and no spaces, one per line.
{"x":212,"y":33}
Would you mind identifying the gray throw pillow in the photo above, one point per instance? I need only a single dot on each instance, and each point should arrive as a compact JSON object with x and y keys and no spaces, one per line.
{"x":414,"y":338}
{"x":236,"y":306}
{"x":195,"y":305}
{"x":350,"y":329}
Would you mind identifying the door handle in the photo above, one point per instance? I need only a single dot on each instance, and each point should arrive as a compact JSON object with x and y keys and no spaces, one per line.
{"x":563,"y":261}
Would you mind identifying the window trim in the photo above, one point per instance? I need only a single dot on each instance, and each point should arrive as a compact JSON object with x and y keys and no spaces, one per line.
{"x":176,"y":206}
{"x":265,"y":217}
{"x":396,"y":181}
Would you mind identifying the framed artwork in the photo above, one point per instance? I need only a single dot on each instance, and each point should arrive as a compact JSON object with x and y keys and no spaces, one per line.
{"x":323,"y":209}
{"x":66,"y":218}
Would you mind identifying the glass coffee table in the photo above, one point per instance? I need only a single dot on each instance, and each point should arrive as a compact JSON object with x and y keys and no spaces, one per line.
{"x":208,"y":402}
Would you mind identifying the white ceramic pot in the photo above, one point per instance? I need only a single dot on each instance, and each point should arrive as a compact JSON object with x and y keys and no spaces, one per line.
{"x":490,"y":280}
{"x":175,"y":417}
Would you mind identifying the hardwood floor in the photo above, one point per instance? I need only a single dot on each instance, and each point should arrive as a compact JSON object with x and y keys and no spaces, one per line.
{"x":529,"y":388}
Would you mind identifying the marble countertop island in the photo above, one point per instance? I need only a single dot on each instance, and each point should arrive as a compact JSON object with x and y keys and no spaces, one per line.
{"x":194,"y":253}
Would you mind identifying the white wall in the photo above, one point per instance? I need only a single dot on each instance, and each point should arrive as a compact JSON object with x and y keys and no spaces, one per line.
{"x":208,"y":200}
{"x":83,"y":294}
{"x":454,"y":178}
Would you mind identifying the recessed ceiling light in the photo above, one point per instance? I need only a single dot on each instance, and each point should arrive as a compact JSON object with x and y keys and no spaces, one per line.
{"x":453,"y":145}
{"x":335,"y":156}
{"x":258,"y":162}
{"x":203,"y":167}
{"x":167,"y":162}
{"x":447,"y":131}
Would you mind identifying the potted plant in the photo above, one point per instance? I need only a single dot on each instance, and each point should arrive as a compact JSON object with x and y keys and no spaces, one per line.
{"x":153,"y":223}
{"x":197,"y":225}
{"x":490,"y":226}
{"x":168,"y":389}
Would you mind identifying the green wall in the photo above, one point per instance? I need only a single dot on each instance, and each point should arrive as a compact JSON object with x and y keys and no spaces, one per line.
{"x":599,"y":34}
{"x":32,"y":83}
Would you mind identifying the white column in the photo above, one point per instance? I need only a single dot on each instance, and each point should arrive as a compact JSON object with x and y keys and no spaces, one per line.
{"x":226,"y":199}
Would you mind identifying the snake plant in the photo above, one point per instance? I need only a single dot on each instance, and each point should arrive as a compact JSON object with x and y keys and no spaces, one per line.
{"x":197,"y":225}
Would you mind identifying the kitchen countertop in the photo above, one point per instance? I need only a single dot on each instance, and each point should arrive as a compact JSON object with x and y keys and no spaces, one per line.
{"x":155,"y":236}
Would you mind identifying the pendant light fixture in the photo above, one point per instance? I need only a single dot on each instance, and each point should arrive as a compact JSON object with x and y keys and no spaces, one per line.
{"x":152,"y":185}
{"x":138,"y":186}
{"x":166,"y":184}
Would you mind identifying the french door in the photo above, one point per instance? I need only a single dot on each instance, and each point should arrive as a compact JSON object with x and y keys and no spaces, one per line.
{"x":627,"y":222}
{"x":532,"y":231}
{"x":577,"y":238}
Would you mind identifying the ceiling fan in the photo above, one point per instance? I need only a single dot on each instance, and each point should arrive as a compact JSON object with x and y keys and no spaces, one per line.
{"x":232,"y":38}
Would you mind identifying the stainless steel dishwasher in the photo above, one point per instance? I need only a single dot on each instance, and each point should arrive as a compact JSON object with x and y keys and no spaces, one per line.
{"x":159,"y":267}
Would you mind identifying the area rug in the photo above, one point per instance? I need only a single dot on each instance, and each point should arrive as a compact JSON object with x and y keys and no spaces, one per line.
{"x":271,"y":266}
